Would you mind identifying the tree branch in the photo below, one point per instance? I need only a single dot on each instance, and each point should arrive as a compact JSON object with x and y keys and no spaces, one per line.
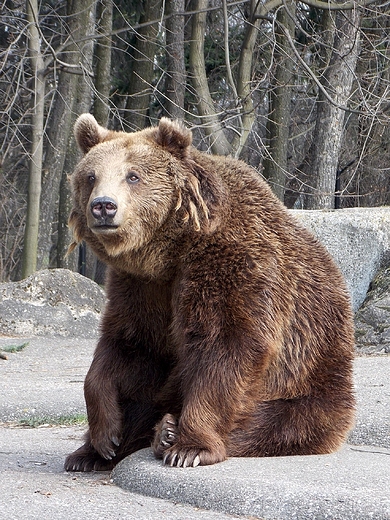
{"x":319,"y":4}
{"x":69,"y":67}
{"x":314,"y":77}
{"x":332,"y":6}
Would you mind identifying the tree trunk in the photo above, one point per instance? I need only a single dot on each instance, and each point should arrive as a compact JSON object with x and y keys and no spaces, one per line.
{"x":30,"y":247}
{"x":81,"y":102}
{"x":59,"y":124}
{"x":205,"y":106}
{"x":244,"y":76}
{"x":278,"y":124}
{"x":141,"y":81}
{"x":59,"y":129}
{"x":337,"y":81}
{"x":101,"y":107}
{"x":176,"y":71}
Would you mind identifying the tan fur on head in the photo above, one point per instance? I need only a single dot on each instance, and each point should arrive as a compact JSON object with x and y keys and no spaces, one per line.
{"x":189,"y":189}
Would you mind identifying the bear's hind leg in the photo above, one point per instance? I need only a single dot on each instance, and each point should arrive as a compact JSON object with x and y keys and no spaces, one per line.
{"x":301,"y":426}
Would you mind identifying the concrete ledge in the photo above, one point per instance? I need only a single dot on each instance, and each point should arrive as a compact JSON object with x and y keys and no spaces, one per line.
{"x":350,"y":484}
{"x":357,"y":238}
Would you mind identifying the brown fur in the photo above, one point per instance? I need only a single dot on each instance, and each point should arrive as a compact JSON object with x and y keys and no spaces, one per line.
{"x":227,"y":324}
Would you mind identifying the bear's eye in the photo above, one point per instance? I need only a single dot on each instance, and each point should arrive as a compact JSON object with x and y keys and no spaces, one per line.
{"x":132,"y":178}
{"x":91,"y":178}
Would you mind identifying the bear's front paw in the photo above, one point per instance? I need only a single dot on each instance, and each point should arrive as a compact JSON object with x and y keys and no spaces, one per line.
{"x":87,"y":459}
{"x":184,"y":456}
{"x":106,"y":446}
{"x":165,"y":436}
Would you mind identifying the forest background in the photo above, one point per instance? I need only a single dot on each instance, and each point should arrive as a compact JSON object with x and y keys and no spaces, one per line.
{"x":299,"y":90}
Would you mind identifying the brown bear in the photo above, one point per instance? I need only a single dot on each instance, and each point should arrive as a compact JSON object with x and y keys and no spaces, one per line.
{"x":228,"y":330}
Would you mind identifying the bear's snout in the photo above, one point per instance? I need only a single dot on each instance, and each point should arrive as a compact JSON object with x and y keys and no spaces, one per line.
{"x":103,"y":210}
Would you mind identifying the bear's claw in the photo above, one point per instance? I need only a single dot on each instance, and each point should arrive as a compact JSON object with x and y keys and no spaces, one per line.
{"x":182,"y":456}
{"x":165,"y":436}
{"x":174,"y":451}
{"x":181,"y":460}
{"x":106,"y":452}
{"x":106,"y":446}
{"x":115,"y":441}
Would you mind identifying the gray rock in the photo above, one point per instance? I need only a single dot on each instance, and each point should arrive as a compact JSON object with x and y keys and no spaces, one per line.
{"x":55,"y":302}
{"x":372,"y":321}
{"x":357,"y":238}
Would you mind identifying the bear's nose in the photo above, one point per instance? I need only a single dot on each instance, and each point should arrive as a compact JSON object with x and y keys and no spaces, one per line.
{"x":103,"y":207}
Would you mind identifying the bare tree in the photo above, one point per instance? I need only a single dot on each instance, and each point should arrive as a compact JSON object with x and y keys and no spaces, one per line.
{"x":102,"y":83}
{"x":176,"y":74}
{"x":58,"y":128}
{"x":278,"y":127}
{"x":298,"y":89}
{"x":210,"y":120}
{"x":142,"y":73}
{"x":30,"y":246}
{"x":336,"y":84}
{"x":85,"y":15}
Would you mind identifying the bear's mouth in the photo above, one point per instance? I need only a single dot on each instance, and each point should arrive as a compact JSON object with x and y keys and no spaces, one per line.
{"x":104,"y":228}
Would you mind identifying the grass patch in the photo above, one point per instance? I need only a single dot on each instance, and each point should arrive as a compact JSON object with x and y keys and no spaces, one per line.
{"x":12,"y":349}
{"x":63,"y":420}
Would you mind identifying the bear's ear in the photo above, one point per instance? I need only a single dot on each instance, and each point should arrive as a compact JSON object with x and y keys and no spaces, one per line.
{"x":174,"y":137}
{"x":88,"y":132}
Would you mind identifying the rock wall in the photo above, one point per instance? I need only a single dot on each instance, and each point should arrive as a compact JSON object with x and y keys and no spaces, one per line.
{"x":372,"y":320}
{"x":359,"y":241}
{"x":357,"y":238}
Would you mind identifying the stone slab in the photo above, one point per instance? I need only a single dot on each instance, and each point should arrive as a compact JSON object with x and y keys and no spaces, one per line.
{"x":349,"y":484}
{"x":33,"y":484}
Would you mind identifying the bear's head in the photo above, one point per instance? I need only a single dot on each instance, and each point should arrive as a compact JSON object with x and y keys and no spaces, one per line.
{"x":129,"y":186}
